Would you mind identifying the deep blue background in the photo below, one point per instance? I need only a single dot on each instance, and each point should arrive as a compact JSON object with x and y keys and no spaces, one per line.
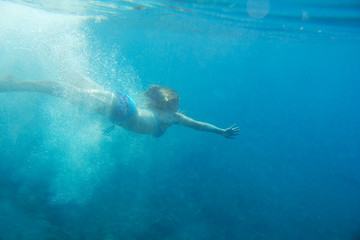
{"x":293,"y":173}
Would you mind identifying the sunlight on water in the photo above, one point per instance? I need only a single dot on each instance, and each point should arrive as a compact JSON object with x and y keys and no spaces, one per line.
{"x":38,"y":45}
{"x":258,"y":8}
{"x":37,"y":39}
{"x":80,"y":137}
{"x":317,"y":20}
{"x":55,"y":44}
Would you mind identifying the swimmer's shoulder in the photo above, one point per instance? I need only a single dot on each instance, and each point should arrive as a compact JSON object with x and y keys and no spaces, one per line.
{"x":169,"y":118}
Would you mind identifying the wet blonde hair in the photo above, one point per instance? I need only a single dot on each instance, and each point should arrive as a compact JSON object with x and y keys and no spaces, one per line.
{"x":162,"y":98}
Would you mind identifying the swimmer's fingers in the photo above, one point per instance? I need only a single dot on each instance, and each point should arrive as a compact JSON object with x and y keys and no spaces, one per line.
{"x":231,"y":132}
{"x":230,"y":137}
{"x":233,"y":126}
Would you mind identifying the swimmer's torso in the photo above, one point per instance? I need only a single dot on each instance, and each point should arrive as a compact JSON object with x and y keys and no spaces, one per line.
{"x":147,"y":122}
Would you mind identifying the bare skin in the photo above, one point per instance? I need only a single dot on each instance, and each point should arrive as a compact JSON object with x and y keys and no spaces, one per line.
{"x":144,"y":121}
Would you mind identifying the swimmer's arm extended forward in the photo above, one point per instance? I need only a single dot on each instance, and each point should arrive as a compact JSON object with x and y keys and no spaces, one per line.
{"x":183,"y":120}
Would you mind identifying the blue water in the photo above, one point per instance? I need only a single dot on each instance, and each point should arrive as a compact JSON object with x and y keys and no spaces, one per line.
{"x":287,"y":73}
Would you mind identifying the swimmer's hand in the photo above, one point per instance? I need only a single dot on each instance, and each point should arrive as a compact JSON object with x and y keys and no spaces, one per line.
{"x":231,"y":132}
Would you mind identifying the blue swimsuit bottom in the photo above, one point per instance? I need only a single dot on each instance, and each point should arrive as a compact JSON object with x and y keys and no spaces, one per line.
{"x":124,"y":108}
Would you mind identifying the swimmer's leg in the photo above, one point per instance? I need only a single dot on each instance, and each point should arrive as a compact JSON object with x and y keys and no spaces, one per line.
{"x":92,"y":99}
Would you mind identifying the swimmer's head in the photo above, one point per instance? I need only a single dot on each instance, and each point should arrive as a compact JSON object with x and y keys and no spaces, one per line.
{"x":162,"y":98}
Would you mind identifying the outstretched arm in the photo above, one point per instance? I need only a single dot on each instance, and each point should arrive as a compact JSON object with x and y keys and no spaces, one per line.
{"x":183,"y":120}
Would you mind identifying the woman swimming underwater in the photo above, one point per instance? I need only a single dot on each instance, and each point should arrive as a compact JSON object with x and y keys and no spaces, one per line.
{"x":159,"y":113}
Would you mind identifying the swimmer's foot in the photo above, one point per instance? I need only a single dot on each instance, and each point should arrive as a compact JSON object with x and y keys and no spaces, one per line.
{"x":6,"y":81}
{"x":7,"y":78}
